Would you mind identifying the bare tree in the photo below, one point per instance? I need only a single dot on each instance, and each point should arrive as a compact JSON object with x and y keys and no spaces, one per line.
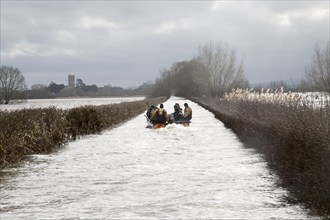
{"x":319,"y":70}
{"x":223,"y":70}
{"x":11,"y":82}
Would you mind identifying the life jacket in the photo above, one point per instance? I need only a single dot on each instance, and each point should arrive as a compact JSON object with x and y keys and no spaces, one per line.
{"x":154,"y":113}
{"x":187,"y":113}
{"x":163,"y":113}
{"x":159,"y":116}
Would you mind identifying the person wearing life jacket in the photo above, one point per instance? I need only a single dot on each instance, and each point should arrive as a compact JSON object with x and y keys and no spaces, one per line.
{"x":163,"y":111}
{"x":159,"y":115}
{"x":150,"y":110}
{"x":187,"y":112}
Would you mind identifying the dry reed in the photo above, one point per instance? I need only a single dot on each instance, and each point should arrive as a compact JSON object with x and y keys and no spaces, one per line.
{"x":292,"y":133}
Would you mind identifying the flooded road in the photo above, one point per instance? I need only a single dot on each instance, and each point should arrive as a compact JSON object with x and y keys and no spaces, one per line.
{"x":131,"y":172}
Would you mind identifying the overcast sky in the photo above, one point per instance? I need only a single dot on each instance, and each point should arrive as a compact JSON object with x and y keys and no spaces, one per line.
{"x":126,"y":43}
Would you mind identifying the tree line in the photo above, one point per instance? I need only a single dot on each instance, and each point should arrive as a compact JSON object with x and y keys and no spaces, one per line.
{"x":12,"y":86}
{"x":217,"y":69}
{"x":214,"y":71}
{"x":54,"y":90}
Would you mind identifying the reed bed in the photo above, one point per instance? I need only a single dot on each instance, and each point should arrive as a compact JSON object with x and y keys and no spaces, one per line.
{"x":278,"y":96}
{"x":292,"y":134}
{"x":41,"y":131}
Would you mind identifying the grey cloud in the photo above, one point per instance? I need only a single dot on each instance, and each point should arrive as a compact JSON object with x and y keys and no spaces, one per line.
{"x":128,"y":42}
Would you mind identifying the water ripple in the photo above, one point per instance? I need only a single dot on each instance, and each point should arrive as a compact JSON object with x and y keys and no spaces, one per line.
{"x":130,"y":172}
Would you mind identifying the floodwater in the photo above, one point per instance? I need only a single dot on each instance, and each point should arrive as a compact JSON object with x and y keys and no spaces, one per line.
{"x":67,"y":103}
{"x":131,"y":172}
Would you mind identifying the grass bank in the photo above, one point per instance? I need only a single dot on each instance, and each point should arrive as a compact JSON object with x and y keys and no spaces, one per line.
{"x":294,"y":138}
{"x":41,"y":131}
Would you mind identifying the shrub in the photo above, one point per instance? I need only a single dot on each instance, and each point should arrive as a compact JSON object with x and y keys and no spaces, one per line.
{"x":82,"y":121}
{"x":29,"y":131}
{"x":39,"y":131}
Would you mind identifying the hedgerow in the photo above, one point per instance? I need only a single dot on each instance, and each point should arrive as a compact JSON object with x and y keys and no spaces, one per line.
{"x":41,"y":131}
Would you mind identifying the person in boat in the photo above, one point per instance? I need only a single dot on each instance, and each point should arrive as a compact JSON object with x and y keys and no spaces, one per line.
{"x":163,"y":112}
{"x":177,"y":112}
{"x":159,"y":115}
{"x":150,"y":111}
{"x":187,"y":112}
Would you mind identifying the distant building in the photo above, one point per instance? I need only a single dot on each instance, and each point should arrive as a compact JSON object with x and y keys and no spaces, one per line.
{"x":71,"y":81}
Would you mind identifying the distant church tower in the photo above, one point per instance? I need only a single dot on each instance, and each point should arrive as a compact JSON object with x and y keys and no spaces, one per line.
{"x":71,"y":81}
